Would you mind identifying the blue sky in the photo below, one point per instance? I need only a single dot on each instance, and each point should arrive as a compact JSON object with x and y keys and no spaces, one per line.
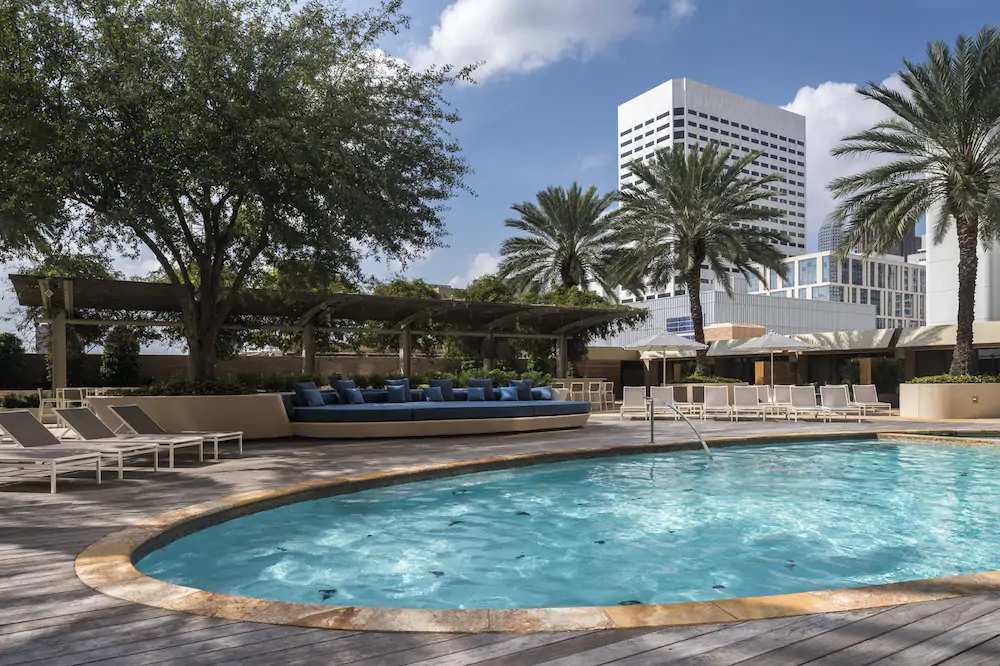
{"x":544,"y":112}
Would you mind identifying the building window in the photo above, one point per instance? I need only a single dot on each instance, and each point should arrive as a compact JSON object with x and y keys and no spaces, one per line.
{"x":871,"y":273}
{"x":899,"y":304}
{"x":679,"y":135}
{"x":807,"y":271}
{"x":857,"y":274}
{"x":628,"y":131}
{"x":772,"y":279}
{"x":803,"y":293}
{"x":788,"y":281}
{"x":662,"y":115}
{"x":864,"y":297}
{"x":821,"y":293}
{"x":907,"y":305}
{"x":845,"y":271}
{"x":779,"y":294}
{"x":893,"y":275}
{"x":876,"y":300}
{"x":679,"y":111}
{"x":881,"y":276}
{"x":906,"y":279}
{"x":837,"y":294}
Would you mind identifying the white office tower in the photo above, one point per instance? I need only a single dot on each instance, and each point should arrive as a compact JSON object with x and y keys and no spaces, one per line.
{"x":942,"y":279}
{"x":688,"y":112}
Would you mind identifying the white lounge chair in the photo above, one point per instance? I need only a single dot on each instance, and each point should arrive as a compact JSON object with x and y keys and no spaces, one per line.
{"x":28,"y":432}
{"x":89,"y":428}
{"x":746,"y":400}
{"x":804,"y":403}
{"x":717,"y":402}
{"x":52,"y":463}
{"x":835,"y":399}
{"x":866,"y":397}
{"x":682,"y":401}
{"x":781,"y":398}
{"x":633,"y":402}
{"x":663,"y":396}
{"x":138,"y":421}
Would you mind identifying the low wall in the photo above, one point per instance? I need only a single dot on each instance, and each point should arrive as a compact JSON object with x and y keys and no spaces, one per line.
{"x":260,"y":416}
{"x":949,"y":401}
{"x":435,"y":428}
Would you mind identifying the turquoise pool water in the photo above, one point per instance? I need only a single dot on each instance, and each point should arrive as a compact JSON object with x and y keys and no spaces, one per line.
{"x":765,"y":519}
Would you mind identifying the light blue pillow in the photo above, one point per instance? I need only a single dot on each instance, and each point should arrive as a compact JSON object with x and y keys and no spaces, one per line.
{"x":354,"y":396}
{"x":475,"y":394}
{"x":446,"y":386}
{"x":485,"y":384}
{"x":508,"y":394}
{"x":523,"y":387}
{"x":341,"y":386}
{"x":433,"y":394}
{"x":397,"y":392}
{"x":405,"y":381}
{"x":543,"y":392}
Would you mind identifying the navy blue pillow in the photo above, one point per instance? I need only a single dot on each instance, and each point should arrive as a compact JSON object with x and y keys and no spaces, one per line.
{"x":354,"y":396}
{"x":485,"y":384}
{"x":523,"y":388}
{"x":433,"y":394}
{"x":308,"y":394}
{"x":476,"y":393}
{"x":509,"y":393}
{"x":542,"y":393}
{"x":405,"y":381}
{"x":341,"y":386}
{"x":447,"y":388}
{"x":330,"y":397}
{"x":398,"y":393}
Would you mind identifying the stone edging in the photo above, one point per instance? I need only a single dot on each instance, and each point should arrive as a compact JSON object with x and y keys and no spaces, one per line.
{"x":107,"y":566}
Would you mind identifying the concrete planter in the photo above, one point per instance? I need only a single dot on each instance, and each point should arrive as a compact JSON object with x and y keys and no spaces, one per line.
{"x":949,"y":401}
{"x":259,"y":416}
{"x":696,"y":392}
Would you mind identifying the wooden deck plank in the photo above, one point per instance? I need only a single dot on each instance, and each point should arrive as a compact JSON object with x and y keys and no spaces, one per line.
{"x":947,"y":645}
{"x":499,"y":650}
{"x":637,"y":645}
{"x":984,"y":654}
{"x":565,"y":648}
{"x":354,"y":648}
{"x":425,"y":652}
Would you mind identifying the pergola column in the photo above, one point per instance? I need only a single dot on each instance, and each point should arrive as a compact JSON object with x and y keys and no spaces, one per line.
{"x":562,"y":356}
{"x":405,"y":351}
{"x":489,"y":351}
{"x":57,"y":348}
{"x":309,"y":348}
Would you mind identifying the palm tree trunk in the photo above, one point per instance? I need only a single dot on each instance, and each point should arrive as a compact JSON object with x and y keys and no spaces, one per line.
{"x":963,"y":360}
{"x":693,"y":283}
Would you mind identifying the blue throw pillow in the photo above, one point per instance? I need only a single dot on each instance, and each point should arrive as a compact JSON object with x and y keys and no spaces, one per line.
{"x":523,"y":387}
{"x":509,"y":393}
{"x":446,"y":386}
{"x":433,"y":394}
{"x":398,"y":393}
{"x":542,"y":393}
{"x":485,"y":384}
{"x":476,"y":393}
{"x":308,"y":394}
{"x":341,"y":386}
{"x":330,"y":397}
{"x":405,"y":381}
{"x":354,"y":396}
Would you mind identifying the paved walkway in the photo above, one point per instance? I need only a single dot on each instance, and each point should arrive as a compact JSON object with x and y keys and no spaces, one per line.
{"x":48,"y":616}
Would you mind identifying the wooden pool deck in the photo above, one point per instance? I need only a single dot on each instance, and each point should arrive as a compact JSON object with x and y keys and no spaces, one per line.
{"x":47,"y":616}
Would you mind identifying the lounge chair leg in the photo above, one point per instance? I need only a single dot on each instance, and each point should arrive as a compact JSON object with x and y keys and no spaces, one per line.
{"x":201,"y":451}
{"x":156,"y":459}
{"x":98,"y":470}
{"x":121,"y":466}
{"x":171,"y":457}
{"x":52,"y":478}
{"x":216,"y":438}
{"x":239,"y":440}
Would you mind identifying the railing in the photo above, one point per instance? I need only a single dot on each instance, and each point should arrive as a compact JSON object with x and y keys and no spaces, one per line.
{"x":652,"y":421}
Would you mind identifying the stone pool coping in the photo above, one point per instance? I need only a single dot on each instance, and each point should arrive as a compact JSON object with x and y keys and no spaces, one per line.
{"x":107,"y":565}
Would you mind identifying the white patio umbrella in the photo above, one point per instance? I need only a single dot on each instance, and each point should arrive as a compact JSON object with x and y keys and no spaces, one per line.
{"x":773,"y":342}
{"x":666,"y":342}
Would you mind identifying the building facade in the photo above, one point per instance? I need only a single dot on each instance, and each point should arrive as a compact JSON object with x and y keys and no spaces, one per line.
{"x":781,"y":315}
{"x":897,"y":289}
{"x":690,"y":113}
{"x":942,"y":284}
{"x":830,"y":234}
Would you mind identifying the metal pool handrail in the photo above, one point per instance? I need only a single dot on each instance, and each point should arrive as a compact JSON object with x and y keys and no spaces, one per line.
{"x":652,"y":435}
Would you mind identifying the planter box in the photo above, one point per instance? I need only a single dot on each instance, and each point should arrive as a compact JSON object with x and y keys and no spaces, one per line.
{"x":949,"y":401}
{"x":259,"y":416}
{"x":696,"y":392}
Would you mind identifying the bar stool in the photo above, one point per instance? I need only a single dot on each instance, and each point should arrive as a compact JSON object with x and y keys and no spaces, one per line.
{"x":577,"y":391}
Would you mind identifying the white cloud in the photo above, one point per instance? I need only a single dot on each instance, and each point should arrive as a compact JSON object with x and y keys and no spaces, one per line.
{"x":519,"y":36}
{"x":482,"y":264}
{"x":833,"y":111}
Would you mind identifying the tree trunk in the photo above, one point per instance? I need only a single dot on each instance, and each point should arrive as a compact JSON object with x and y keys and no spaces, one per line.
{"x":963,"y":360}
{"x":693,"y":282}
{"x":201,"y":329}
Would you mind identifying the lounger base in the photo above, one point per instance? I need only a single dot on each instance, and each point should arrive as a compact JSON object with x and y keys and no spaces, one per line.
{"x":435,"y":428}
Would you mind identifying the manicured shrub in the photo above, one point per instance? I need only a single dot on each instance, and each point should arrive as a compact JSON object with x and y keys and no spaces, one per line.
{"x":956,"y":379}
{"x":708,"y":379}
{"x":120,"y":360}
{"x":188,"y":387}
{"x":11,"y":360}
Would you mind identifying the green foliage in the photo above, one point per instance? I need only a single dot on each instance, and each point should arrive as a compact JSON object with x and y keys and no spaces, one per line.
{"x":955,"y":379}
{"x":281,"y":383}
{"x":19,"y":401}
{"x":11,"y":360}
{"x":695,"y":378}
{"x":187,"y":387}
{"x":568,"y":241}
{"x":120,"y":360}
{"x":401,"y":288}
{"x":937,"y":148}
{"x":226,"y":137}
{"x":886,"y":374}
{"x":487,"y":289}
{"x":692,"y":208}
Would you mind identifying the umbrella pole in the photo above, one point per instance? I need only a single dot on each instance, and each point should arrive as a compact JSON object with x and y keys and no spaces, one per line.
{"x":663,"y":380}
{"x":772,"y":369}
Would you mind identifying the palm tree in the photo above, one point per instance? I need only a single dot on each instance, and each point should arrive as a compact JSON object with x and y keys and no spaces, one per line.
{"x":944,"y":141}
{"x":692,"y":208}
{"x":567,"y":243}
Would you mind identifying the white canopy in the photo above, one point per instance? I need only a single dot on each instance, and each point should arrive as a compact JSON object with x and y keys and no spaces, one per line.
{"x":666,"y":342}
{"x":773,"y":342}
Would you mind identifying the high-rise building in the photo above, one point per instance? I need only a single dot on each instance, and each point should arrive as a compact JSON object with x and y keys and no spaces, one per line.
{"x":830,"y":234}
{"x":911,"y":244}
{"x":691,"y":113}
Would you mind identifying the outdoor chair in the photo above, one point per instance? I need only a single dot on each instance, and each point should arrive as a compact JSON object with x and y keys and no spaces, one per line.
{"x":804,"y":403}
{"x":781,"y":399}
{"x":866,"y":397}
{"x":89,"y":427}
{"x":138,"y":421}
{"x":663,"y":397}
{"x":608,"y":395}
{"x":577,"y":391}
{"x":594,"y":395}
{"x":46,"y":402}
{"x":717,"y":402}
{"x":633,"y":402}
{"x":53,"y":462}
{"x":682,"y":401}
{"x":28,"y":432}
{"x":835,"y":399}
{"x":746,"y":400}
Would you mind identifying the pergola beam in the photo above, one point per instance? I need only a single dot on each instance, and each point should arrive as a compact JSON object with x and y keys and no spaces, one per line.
{"x":527,"y":314}
{"x":427,"y":312}
{"x":597,"y":319}
{"x":337,"y":299}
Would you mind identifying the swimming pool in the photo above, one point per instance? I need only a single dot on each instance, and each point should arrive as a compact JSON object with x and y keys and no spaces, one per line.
{"x":654,"y":528}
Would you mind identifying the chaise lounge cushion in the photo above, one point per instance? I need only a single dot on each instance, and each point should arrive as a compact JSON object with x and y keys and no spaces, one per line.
{"x":559,"y":407}
{"x":383,"y":411}
{"x":432,"y":411}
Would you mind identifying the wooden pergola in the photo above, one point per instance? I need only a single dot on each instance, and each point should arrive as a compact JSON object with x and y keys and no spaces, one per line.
{"x":64,"y":299}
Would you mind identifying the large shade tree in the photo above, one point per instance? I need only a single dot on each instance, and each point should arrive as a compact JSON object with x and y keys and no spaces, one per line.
{"x":225,"y":136}
{"x":566,"y":241}
{"x":691,"y":208}
{"x":943,"y":145}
